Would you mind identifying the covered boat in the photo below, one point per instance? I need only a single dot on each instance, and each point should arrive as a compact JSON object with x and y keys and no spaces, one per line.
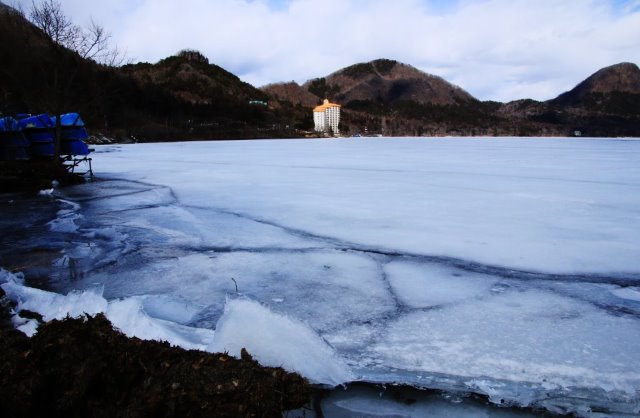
{"x":72,"y":127}
{"x":37,"y":128}
{"x":13,"y":144}
{"x":75,"y":147}
{"x":72,"y":134}
{"x":40,"y":132}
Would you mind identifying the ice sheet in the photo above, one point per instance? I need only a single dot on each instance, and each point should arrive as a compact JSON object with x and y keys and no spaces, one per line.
{"x":325,"y":289}
{"x":505,"y":267}
{"x":128,"y":314}
{"x":421,"y":287}
{"x":279,"y":341}
{"x":363,"y":401}
{"x":569,"y":206}
{"x":519,"y":335}
{"x":273,"y":339}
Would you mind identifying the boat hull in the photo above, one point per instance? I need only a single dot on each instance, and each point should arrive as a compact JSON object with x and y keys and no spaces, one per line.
{"x":76,"y":147}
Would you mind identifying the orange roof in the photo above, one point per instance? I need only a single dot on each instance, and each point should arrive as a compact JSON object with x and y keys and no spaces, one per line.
{"x":324,"y":106}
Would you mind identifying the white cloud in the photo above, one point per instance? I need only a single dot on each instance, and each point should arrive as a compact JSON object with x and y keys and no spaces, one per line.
{"x":495,"y":49}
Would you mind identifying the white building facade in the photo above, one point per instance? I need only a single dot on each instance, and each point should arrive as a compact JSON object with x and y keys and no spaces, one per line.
{"x":326,"y":117}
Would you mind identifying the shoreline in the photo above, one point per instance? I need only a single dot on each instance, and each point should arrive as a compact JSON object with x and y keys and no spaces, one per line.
{"x":79,"y":367}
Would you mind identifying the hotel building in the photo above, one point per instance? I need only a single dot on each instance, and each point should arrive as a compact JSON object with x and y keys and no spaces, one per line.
{"x":327,"y":117}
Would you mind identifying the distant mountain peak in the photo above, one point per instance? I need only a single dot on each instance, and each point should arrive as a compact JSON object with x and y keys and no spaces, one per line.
{"x":619,"y":78}
{"x":386,"y":81}
{"x":380,"y":67}
{"x":623,"y":77}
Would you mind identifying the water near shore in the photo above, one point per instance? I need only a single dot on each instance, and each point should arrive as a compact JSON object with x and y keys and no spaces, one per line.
{"x":505,"y":268}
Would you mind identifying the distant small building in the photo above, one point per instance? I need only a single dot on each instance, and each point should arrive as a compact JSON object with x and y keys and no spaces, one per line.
{"x":327,"y":117}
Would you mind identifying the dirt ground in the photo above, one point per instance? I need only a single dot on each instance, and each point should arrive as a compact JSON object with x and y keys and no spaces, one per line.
{"x":84,"y":368}
{"x":33,"y":175}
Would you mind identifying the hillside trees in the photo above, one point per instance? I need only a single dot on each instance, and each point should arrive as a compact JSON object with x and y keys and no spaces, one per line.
{"x":92,"y":42}
{"x":72,"y":50}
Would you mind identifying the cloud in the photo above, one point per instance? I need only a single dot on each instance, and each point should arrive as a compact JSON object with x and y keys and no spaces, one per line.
{"x":495,"y":49}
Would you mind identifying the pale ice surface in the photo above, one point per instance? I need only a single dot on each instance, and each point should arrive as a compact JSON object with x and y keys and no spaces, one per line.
{"x":508,"y":268}
{"x":248,"y":324}
{"x":274,"y":339}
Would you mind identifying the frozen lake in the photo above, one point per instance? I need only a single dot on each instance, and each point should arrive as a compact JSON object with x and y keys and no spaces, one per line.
{"x":508,"y":268}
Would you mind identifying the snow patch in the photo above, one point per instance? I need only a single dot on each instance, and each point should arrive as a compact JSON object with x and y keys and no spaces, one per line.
{"x":279,"y":341}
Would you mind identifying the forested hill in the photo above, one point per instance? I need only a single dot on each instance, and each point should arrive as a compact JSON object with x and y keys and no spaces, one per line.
{"x":180,"y":97}
{"x":392,"y":98}
{"x":187,"y":97}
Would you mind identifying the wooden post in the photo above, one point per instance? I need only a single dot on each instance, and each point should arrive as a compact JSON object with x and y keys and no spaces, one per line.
{"x":58,"y":138}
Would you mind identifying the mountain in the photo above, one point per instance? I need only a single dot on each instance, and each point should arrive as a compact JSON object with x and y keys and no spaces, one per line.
{"x":291,"y":92}
{"x":388,"y":97}
{"x":392,"y":98}
{"x":613,"y":90}
{"x":190,"y":77}
{"x":186,"y":97}
{"x":387,"y":82}
{"x":623,"y":78}
{"x":180,"y":97}
{"x":607,"y":103}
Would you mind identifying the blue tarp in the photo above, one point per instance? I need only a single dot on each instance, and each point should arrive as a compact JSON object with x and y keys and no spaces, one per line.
{"x":74,"y":148}
{"x":72,"y":130}
{"x":35,"y":135}
{"x":37,"y":128}
{"x":74,"y":133}
{"x":13,"y":144}
{"x":68,"y":119}
{"x":42,"y":121}
{"x":8,"y":124}
{"x":40,"y":135}
{"x":14,"y":140}
{"x":42,"y":149}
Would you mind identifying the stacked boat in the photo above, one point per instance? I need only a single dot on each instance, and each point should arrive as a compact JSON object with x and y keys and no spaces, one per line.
{"x":33,"y":136}
{"x":13,"y":144}
{"x":41,"y":134}
{"x":73,"y":133}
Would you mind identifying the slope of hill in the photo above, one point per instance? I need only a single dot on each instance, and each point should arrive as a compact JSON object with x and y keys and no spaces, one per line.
{"x":387,"y":82}
{"x":388,"y":97}
{"x":181,"y":97}
{"x":605,"y":104}
{"x":623,"y":78}
{"x":613,"y":90}
{"x":190,"y":77}
{"x":291,"y":92}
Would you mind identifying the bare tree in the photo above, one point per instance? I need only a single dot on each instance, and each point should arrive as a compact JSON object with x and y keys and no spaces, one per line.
{"x":93,"y":43}
{"x":49,"y":17}
{"x":90,"y":43}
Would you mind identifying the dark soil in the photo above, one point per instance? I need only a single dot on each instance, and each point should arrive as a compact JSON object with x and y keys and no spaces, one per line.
{"x":84,"y":368}
{"x":34,"y":175}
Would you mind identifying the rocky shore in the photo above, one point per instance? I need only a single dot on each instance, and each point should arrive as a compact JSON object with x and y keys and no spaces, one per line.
{"x":83,"y":367}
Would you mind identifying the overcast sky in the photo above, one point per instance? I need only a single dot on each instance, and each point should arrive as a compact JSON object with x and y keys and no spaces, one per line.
{"x":495,"y":49}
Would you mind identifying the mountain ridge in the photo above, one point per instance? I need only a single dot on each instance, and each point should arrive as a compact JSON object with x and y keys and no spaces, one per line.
{"x":383,"y":95}
{"x":186,"y":97}
{"x":623,"y":77}
{"x":392,"y":81}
